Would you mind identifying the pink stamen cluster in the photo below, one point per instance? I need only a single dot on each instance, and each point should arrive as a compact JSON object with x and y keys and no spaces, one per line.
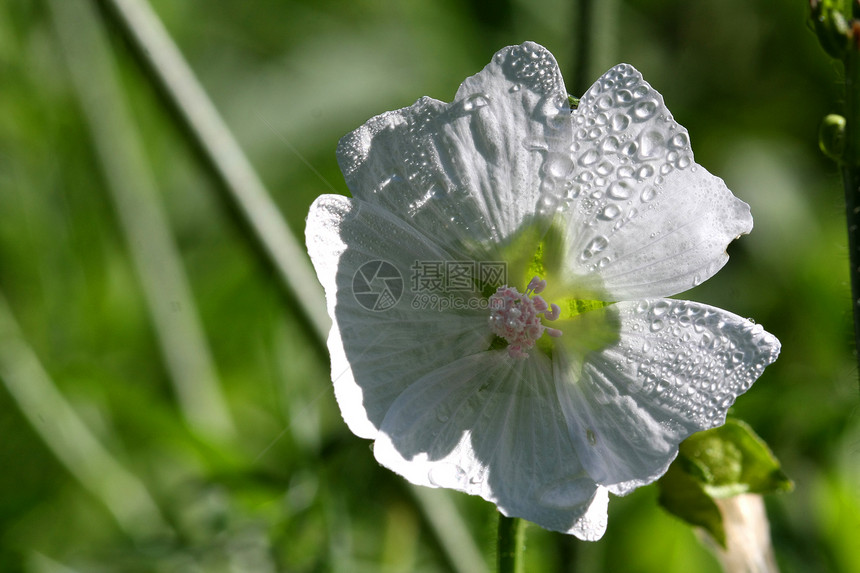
{"x":515,"y":317}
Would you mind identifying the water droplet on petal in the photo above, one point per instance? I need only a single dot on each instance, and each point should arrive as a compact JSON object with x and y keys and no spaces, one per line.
{"x":589,"y":157}
{"x":645,"y":172}
{"x":620,"y":122}
{"x":475,"y":101}
{"x":660,"y":308}
{"x":447,"y":475}
{"x":558,"y":166}
{"x":680,"y":141}
{"x":645,"y":109}
{"x":621,"y":189}
{"x":567,"y":494}
{"x":596,"y":245}
{"x":610,"y":144}
{"x":650,"y":143}
{"x":610,"y":212}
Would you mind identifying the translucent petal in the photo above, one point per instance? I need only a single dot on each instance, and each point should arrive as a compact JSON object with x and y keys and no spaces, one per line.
{"x":676,"y":369}
{"x":376,"y":354}
{"x":644,"y":219}
{"x":492,"y":426}
{"x":469,"y":173}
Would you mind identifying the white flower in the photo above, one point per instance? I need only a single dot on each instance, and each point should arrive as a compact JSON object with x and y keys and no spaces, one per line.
{"x":473,"y":388}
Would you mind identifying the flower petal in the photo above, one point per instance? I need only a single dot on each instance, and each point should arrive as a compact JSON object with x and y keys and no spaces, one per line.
{"x":675,"y":370}
{"x":646,"y":220}
{"x":492,"y":426}
{"x":471,"y":170}
{"x":376,"y":354}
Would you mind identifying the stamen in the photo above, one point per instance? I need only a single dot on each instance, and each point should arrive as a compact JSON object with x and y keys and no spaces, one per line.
{"x":536,"y":285}
{"x":516,"y":317}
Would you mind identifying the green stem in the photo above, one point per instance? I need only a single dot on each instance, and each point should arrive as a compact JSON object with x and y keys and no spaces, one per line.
{"x":143,"y":219}
{"x":510,"y":544}
{"x":851,"y":179}
{"x":206,"y":129}
{"x":69,"y":438}
{"x":583,"y":40}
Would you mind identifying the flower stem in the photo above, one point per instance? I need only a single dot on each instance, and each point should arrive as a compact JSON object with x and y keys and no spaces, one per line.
{"x":510,"y":544}
{"x":851,"y":178}
{"x":142,"y":217}
{"x":245,"y":192}
{"x":583,"y":40}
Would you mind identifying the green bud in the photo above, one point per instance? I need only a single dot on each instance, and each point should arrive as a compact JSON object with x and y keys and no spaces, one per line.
{"x":831,"y":26}
{"x":716,"y":464}
{"x":831,"y":137}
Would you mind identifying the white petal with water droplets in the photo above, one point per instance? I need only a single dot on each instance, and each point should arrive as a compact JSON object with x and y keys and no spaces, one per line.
{"x":643,"y":219}
{"x":676,"y":369}
{"x":375,"y":355}
{"x":492,"y":426}
{"x":469,"y":173}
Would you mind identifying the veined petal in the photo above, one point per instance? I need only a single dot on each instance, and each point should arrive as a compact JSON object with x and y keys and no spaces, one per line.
{"x":492,"y":426}
{"x":376,"y":354}
{"x":645,"y":219}
{"x":675,"y":370}
{"x":469,"y":173}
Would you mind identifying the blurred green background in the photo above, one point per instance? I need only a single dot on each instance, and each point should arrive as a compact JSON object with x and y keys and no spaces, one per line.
{"x":277,"y":482}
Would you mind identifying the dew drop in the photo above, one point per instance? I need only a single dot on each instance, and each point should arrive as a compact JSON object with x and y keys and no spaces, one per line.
{"x":680,"y":141}
{"x":625,"y":172}
{"x":660,"y":308}
{"x":447,"y":475}
{"x":650,"y":143}
{"x":610,"y":212}
{"x":596,"y":245}
{"x":623,"y":97}
{"x":592,"y":439}
{"x":645,"y":172}
{"x":620,"y":122}
{"x":476,"y":101}
{"x":657,"y":325}
{"x":610,"y":144}
{"x":590,"y":157}
{"x":566,"y":494}
{"x":558,"y":166}
{"x":622,"y":189}
{"x":645,"y":109}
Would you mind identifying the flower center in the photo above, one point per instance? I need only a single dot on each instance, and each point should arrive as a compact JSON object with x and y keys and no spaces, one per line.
{"x":516,"y":317}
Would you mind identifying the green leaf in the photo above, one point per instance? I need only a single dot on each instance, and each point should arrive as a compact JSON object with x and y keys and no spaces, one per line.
{"x":718,"y":463}
{"x":683,"y":496}
{"x":732,"y":459}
